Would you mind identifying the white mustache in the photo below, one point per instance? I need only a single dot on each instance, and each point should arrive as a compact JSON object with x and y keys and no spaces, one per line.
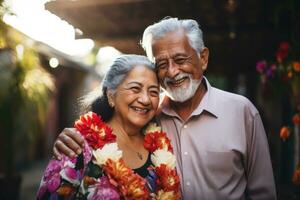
{"x":176,"y":78}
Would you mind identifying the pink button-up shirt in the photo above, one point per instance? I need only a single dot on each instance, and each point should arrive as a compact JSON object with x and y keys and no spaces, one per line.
{"x":221,"y":149}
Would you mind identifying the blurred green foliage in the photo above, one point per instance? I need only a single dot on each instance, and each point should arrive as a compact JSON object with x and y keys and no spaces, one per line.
{"x":25,"y":88}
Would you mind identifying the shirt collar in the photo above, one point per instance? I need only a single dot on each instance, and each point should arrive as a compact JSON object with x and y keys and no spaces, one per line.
{"x":208,"y":103}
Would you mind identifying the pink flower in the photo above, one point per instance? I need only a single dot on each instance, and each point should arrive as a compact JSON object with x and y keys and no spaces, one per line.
{"x":71,"y":175}
{"x":51,"y":179}
{"x":261,"y":66}
{"x":87,"y":153}
{"x":42,"y":191}
{"x":104,"y":190}
{"x":53,"y":183}
{"x":53,"y":168}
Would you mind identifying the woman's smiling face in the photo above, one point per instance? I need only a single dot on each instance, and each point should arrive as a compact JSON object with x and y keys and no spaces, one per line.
{"x":136,"y":98}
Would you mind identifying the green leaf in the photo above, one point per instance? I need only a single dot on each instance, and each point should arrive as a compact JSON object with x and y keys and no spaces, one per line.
{"x":94,"y":170}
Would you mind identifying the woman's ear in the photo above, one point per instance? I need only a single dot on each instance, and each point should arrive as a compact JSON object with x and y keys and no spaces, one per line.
{"x":110,"y":98}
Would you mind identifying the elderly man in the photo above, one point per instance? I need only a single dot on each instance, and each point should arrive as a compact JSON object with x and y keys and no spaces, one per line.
{"x":218,"y":137}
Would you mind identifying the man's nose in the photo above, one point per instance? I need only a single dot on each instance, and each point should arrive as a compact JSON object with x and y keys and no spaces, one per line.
{"x":173,"y":69}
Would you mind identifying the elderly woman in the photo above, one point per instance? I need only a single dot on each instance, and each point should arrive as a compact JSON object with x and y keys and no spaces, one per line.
{"x":123,"y":158}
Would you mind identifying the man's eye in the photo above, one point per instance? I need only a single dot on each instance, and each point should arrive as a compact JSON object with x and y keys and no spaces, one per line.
{"x":180,"y":60}
{"x":161,"y":65}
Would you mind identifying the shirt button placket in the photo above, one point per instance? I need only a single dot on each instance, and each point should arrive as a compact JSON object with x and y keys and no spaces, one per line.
{"x":185,"y":159}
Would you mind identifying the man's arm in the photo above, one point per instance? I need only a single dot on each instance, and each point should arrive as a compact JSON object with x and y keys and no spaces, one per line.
{"x":69,"y":142}
{"x":260,"y":179}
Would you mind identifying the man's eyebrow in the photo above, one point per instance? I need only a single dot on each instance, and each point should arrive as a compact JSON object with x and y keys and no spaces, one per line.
{"x":172,"y":56}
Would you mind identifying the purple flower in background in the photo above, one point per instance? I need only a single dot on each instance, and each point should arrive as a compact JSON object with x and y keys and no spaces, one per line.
{"x":104,"y":190}
{"x":270,"y":72}
{"x":261,"y":66}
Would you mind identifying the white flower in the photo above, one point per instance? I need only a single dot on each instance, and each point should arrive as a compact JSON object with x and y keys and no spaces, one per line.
{"x":110,"y":150}
{"x":152,"y":127}
{"x":165,"y":195}
{"x":162,"y":156}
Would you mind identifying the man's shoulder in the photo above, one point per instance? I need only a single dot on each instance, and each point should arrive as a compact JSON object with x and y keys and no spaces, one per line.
{"x":233,"y":100}
{"x":228,"y":95}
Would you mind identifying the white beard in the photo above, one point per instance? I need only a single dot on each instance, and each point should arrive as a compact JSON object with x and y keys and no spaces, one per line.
{"x":183,"y":93}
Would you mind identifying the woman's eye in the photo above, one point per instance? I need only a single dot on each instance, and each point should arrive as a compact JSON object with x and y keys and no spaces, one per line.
{"x":135,"y":89}
{"x":154,"y":93}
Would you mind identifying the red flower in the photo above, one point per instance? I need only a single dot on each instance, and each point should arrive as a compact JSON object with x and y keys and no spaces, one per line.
{"x":296,"y":119}
{"x":94,"y":130}
{"x":134,"y":188}
{"x":296,"y":177}
{"x":282,"y":51}
{"x":284,"y":46}
{"x":167,"y":178}
{"x":117,"y":170}
{"x":66,"y":191}
{"x":284,"y":133}
{"x":157,"y":140}
{"x":130,"y":185}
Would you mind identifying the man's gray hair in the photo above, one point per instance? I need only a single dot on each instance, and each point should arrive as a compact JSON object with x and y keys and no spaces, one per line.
{"x":120,"y":69}
{"x":161,"y":28}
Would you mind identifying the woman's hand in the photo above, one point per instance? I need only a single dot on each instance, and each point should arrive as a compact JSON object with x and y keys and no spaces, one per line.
{"x":69,"y":142}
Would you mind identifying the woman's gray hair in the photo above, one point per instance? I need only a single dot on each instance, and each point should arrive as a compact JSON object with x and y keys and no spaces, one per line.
{"x":120,"y":69}
{"x":161,"y":28}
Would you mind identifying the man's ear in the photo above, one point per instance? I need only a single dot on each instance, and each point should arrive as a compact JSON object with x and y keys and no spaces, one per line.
{"x":204,"y":58}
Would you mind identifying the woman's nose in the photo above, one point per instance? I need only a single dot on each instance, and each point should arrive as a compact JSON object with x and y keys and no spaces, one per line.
{"x":144,"y":98}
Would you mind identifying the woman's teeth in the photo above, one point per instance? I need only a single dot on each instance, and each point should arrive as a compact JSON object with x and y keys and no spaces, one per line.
{"x":140,"y":110}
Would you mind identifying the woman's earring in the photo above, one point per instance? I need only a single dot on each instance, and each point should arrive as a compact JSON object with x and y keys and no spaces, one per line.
{"x":110,"y":100}
{"x":111,"y":104}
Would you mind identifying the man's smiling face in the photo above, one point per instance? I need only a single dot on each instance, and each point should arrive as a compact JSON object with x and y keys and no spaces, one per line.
{"x":179,"y":67}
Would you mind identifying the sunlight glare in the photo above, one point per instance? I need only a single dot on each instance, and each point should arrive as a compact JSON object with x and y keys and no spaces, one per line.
{"x":32,"y":19}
